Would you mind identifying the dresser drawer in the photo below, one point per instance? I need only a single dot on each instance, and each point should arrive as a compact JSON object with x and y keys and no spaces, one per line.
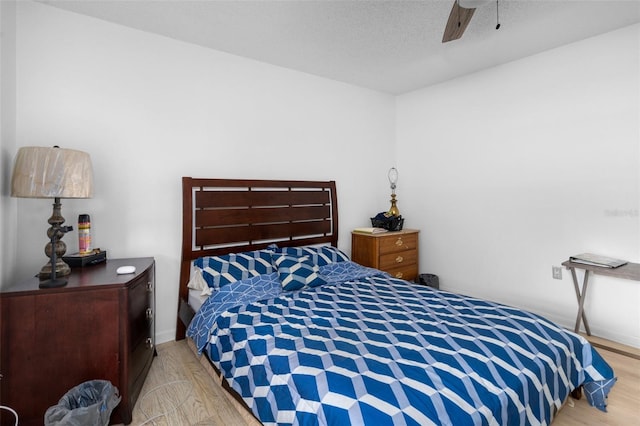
{"x":141,"y":359}
{"x":398,"y":259}
{"x":396,"y":243}
{"x":406,"y":272}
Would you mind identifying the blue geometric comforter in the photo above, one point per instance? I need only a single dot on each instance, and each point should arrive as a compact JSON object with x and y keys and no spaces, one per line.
{"x":368,"y":349}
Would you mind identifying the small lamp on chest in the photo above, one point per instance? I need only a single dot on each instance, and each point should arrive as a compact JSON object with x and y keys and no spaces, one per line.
{"x":393,"y":181}
{"x":42,"y":172}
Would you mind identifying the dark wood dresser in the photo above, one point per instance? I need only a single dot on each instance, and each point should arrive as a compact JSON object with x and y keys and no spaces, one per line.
{"x":101,"y":325}
{"x":392,"y":252}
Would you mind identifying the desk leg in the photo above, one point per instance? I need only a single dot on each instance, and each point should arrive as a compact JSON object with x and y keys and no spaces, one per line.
{"x":581,"y":296}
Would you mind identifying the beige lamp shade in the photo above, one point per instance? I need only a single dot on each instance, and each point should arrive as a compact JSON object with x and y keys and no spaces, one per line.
{"x":42,"y":172}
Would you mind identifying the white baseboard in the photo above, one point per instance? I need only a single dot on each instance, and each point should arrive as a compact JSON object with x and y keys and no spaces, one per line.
{"x":165,"y":336}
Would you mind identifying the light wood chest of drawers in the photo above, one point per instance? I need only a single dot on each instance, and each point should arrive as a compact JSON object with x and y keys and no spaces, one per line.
{"x":392,"y":252}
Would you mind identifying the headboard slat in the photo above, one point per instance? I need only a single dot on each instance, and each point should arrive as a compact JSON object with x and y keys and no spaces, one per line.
{"x":261,"y":198}
{"x":281,"y":231}
{"x":236,"y":216}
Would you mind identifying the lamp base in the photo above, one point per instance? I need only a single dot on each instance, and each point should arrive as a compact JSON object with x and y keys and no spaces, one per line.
{"x":62,"y":270}
{"x":393,"y":210}
{"x":53,"y":283}
{"x":55,"y":248}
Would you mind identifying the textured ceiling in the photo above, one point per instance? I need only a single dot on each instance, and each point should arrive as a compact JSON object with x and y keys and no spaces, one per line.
{"x":391,"y":46}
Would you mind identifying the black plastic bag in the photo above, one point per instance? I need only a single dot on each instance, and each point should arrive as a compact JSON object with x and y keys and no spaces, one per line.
{"x":88,"y":404}
{"x":388,"y":222}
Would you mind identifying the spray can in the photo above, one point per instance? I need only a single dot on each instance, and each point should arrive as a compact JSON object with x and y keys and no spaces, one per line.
{"x":84,"y":234}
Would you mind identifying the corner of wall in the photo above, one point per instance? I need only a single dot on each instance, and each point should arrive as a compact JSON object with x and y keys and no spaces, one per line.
{"x":8,"y":206}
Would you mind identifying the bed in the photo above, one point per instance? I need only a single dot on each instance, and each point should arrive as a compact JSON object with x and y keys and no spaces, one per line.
{"x":302,"y":335}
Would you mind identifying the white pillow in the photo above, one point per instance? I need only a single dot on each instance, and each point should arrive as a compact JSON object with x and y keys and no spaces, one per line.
{"x":197,"y":282}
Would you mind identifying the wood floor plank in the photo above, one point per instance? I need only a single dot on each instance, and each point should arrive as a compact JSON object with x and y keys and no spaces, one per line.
{"x":612,"y":346}
{"x":179,"y":391}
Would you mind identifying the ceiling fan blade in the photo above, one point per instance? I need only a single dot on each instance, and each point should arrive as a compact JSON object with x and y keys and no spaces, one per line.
{"x":458,"y":20}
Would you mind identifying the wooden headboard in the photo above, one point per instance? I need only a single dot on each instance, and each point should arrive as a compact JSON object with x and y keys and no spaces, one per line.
{"x":222,"y":216}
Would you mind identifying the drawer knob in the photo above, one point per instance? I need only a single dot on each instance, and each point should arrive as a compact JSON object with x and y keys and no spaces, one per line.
{"x":149,"y":313}
{"x":399,"y":259}
{"x":149,"y":287}
{"x":149,"y":343}
{"x":399,"y":275}
{"x":399,"y":242}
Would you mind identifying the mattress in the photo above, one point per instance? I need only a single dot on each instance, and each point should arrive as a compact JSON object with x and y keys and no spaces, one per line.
{"x":196,"y":299}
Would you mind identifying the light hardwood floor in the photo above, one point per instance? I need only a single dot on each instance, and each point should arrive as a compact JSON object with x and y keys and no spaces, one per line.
{"x":179,"y":392}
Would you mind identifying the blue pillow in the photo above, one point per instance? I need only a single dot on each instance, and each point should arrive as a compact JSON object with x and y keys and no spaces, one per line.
{"x":219,"y":271}
{"x":297,"y":272}
{"x":319,"y":255}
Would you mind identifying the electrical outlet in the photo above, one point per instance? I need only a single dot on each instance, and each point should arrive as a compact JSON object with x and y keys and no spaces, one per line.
{"x":557,"y":272}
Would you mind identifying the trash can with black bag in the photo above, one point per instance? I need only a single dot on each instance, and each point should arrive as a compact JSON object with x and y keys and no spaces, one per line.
{"x":88,"y":404}
{"x":430,"y":280}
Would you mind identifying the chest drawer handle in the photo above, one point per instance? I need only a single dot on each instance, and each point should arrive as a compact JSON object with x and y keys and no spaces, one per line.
{"x":149,"y":313}
{"x":149,"y":287}
{"x":149,"y":343}
{"x":399,"y":259}
{"x":399,"y":275}
{"x":399,"y":242}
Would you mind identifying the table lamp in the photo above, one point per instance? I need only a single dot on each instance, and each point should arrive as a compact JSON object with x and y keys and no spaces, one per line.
{"x":393,"y":180}
{"x":42,"y":172}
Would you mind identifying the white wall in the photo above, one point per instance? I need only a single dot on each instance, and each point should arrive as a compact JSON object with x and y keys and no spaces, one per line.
{"x":8,"y":206}
{"x":150,"y":109}
{"x":527,"y":164}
